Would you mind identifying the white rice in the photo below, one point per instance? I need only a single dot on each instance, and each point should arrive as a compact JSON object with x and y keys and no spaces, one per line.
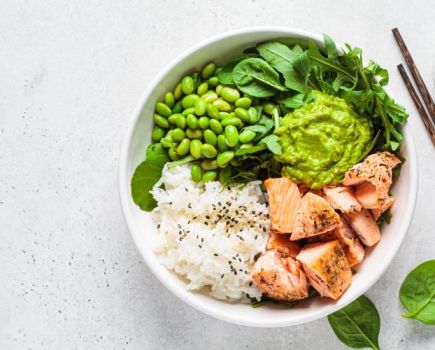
{"x":209,"y":234}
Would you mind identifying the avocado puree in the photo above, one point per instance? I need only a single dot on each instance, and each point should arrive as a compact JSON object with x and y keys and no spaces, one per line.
{"x":322,"y":140}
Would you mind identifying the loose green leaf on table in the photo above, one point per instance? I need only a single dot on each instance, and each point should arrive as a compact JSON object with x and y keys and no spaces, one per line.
{"x":146,"y":175}
{"x":357,"y":324}
{"x":257,"y":78}
{"x":417,"y":293}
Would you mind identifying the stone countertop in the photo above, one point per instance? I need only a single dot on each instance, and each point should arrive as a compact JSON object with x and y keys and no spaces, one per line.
{"x":71,"y":74}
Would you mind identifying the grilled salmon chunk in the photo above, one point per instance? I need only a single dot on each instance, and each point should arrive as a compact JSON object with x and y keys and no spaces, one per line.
{"x":280,"y":277}
{"x":365,"y":227}
{"x":326,"y":268}
{"x":342,"y":198}
{"x":282,"y":243}
{"x":314,"y":217}
{"x":284,"y":201}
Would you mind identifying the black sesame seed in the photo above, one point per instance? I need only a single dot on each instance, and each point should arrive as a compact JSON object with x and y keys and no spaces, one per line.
{"x":158,"y":226}
{"x":215,"y":254}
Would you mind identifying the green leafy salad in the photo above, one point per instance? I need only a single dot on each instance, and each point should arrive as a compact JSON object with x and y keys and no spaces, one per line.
{"x":307,"y":112}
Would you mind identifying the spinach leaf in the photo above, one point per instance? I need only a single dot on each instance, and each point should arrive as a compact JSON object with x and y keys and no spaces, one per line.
{"x":272,"y":143}
{"x":357,"y":324}
{"x":294,"y":64}
{"x":296,"y":101}
{"x":225,"y":76}
{"x":146,"y":175}
{"x":417,"y":293}
{"x":257,"y":78}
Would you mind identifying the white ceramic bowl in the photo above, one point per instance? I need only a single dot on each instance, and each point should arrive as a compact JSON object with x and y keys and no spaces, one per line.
{"x":220,"y":49}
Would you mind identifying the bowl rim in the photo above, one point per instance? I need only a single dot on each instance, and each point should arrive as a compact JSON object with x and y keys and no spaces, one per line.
{"x":125,"y":196}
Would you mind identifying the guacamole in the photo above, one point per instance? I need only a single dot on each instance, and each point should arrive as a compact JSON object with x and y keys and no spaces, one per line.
{"x":322,"y":140}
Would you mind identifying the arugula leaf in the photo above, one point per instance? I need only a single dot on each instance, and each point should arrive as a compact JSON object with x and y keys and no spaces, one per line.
{"x":294,"y":64}
{"x":417,"y":293}
{"x":357,"y":324}
{"x":146,"y":175}
{"x":257,"y":78}
{"x":272,"y":142}
{"x":225,"y":76}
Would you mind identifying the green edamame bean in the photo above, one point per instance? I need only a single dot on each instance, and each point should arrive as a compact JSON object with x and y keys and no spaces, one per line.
{"x":222,"y":143}
{"x":231,"y":121}
{"x":225,"y":174}
{"x":173,"y":155}
{"x":208,"y":70}
{"x":187,"y":85}
{"x":223,"y":115}
{"x":210,"y":175}
{"x":188,"y":111}
{"x":210,"y":96}
{"x":212,"y":111}
{"x":216,"y":126}
{"x":236,"y":162}
{"x":173,"y":118}
{"x":244,"y":102}
{"x":181,"y":121}
{"x":219,"y":89}
{"x":190,"y":100}
{"x":202,"y":89}
{"x":196,"y":173}
{"x":195,"y":148}
{"x":204,"y":122}
{"x":217,"y":71}
{"x":192,"y":121}
{"x":178,"y":134}
{"x":222,"y":105}
{"x":253,"y":115}
{"x":161,"y":121}
{"x":169,"y":99}
{"x":231,"y":135}
{"x":210,"y":137}
{"x":209,"y":164}
{"x":200,"y":107}
{"x":184,"y":147}
{"x":230,"y":95}
{"x":194,"y":134}
{"x":168,"y":141}
{"x":246,"y":136}
{"x":268,"y":108}
{"x":163,"y":109}
{"x":213,"y":81}
{"x":224,"y":158}
{"x":157,"y":134}
{"x":208,"y":151}
{"x":242,"y":114}
{"x":178,"y":93}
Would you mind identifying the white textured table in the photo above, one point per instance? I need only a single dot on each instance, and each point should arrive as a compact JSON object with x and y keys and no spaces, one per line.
{"x":70,"y":73}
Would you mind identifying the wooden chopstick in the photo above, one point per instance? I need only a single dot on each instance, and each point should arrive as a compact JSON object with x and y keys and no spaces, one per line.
{"x":427,"y":98}
{"x":427,"y":122}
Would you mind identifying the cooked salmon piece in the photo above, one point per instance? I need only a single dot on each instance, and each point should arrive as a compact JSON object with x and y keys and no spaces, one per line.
{"x":365,"y":227}
{"x":371,"y":170}
{"x":367,"y":195}
{"x":385,"y":204}
{"x":342,"y":198}
{"x":282,"y":243}
{"x":314,"y":217}
{"x":348,"y":239}
{"x":280,"y":277}
{"x":284,"y":201}
{"x":326,"y":268}
{"x":350,"y":243}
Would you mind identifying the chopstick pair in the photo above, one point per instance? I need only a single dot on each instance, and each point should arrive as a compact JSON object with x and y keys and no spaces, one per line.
{"x":428,"y":117}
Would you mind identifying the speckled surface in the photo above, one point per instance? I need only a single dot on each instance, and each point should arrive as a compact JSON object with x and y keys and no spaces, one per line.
{"x":71,"y":73}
